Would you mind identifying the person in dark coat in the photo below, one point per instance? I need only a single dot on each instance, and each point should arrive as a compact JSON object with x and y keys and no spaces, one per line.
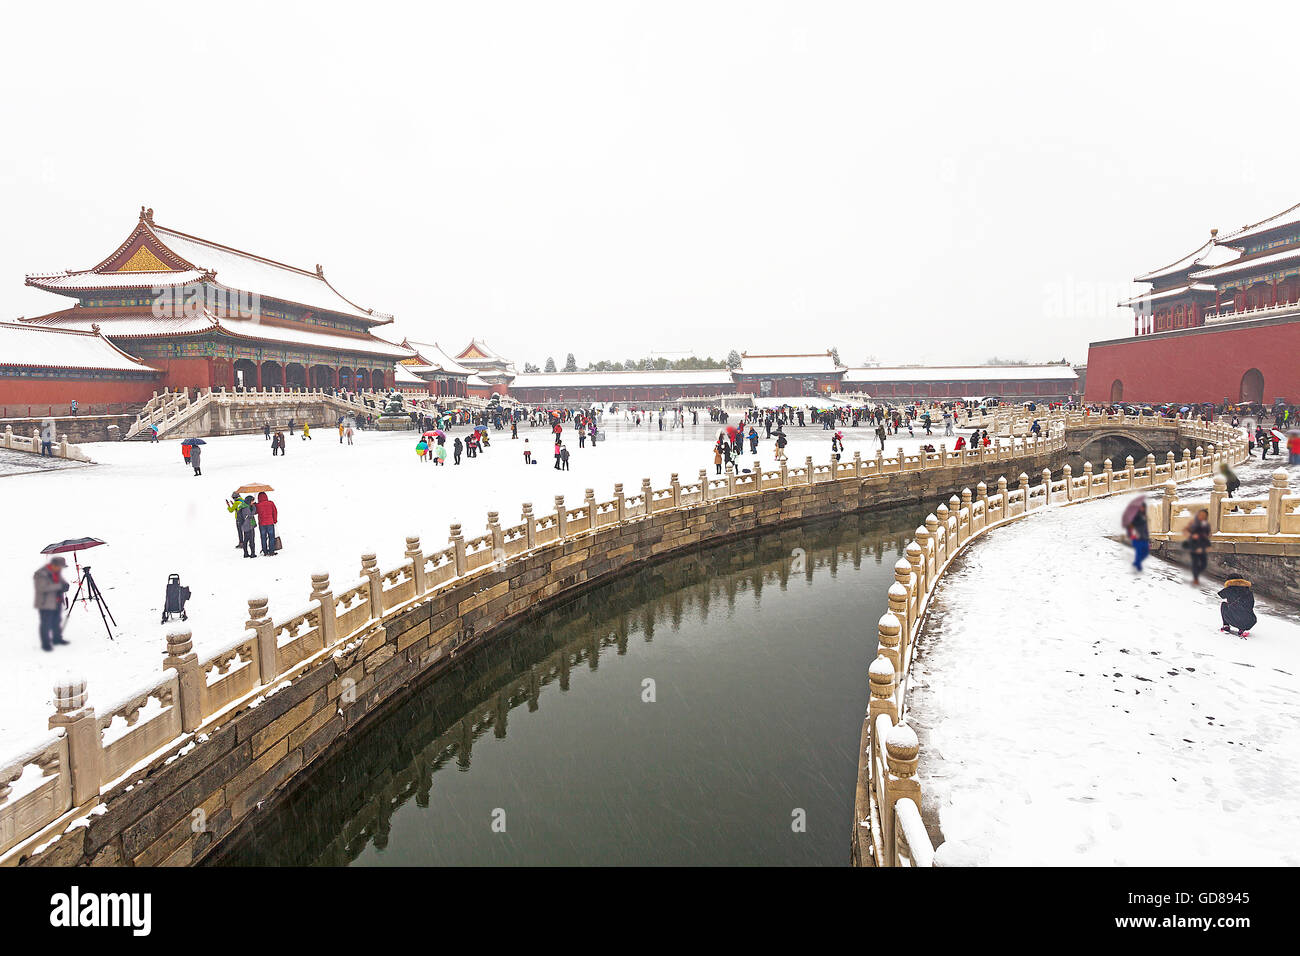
{"x":1231,"y":478}
{"x":1238,"y":607}
{"x":1198,"y":543}
{"x":196,"y":455}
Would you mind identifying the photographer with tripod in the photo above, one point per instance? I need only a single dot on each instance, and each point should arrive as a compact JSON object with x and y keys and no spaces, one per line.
{"x":50,"y":588}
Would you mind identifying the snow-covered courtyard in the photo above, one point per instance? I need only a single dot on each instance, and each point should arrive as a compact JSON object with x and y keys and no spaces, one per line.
{"x":335,"y":503}
{"x":1074,"y":711}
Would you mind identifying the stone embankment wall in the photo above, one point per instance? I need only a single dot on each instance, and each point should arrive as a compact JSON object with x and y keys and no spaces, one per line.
{"x":888,"y":829}
{"x":164,"y":775}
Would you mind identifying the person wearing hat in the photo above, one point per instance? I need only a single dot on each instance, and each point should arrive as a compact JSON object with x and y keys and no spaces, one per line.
{"x":50,"y":588}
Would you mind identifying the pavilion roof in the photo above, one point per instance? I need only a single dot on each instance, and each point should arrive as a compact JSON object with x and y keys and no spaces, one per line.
{"x":818,"y":363}
{"x":144,"y":325}
{"x":1287,"y":218}
{"x":32,"y":345}
{"x":436,"y":357}
{"x":1259,"y":263}
{"x":155,"y":256}
{"x":1212,"y":253}
{"x":1174,"y":293}
{"x":479,"y":351}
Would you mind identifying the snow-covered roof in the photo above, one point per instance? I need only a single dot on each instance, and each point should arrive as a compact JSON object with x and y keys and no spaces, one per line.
{"x":1174,"y":293}
{"x":479,"y":351}
{"x":437,"y":357}
{"x":146,"y":325}
{"x":821,"y":363}
{"x":718,"y":376}
{"x":1286,"y":218}
{"x":156,"y":251}
{"x":63,"y":348}
{"x":405,"y":375}
{"x":1213,"y":253}
{"x":475,"y":381}
{"x":1259,"y":263}
{"x":112,"y":281}
{"x":962,"y":373}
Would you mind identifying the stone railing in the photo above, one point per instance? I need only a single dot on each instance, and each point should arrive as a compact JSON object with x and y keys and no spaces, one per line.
{"x":92,"y":748}
{"x":889,"y":829}
{"x":60,"y":448}
{"x":1274,"y":519}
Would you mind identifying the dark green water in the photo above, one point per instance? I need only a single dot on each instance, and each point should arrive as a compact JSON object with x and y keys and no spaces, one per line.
{"x":758,"y":658}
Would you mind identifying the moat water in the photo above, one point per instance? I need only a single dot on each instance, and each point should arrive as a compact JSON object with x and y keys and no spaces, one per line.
{"x":704,"y":710}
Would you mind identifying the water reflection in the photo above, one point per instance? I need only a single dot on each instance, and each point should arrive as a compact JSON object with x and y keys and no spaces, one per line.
{"x":756,"y":652}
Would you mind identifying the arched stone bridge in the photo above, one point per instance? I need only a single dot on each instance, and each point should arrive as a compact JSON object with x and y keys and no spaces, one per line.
{"x":1098,"y":437}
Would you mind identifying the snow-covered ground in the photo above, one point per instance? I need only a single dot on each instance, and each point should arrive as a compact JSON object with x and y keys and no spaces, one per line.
{"x":1074,"y":711}
{"x":335,"y":503}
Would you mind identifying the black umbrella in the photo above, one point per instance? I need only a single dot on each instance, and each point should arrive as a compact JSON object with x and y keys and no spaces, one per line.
{"x":71,"y":544}
{"x":194,"y":441}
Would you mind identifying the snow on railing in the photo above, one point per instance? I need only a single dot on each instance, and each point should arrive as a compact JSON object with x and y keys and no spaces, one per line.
{"x":889,"y":812}
{"x":58,"y":449}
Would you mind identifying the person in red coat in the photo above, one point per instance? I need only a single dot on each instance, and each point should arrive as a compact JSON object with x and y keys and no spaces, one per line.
{"x":267,"y":515}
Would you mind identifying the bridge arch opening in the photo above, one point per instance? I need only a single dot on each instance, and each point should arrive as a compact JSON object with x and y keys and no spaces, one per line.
{"x":1252,"y":386}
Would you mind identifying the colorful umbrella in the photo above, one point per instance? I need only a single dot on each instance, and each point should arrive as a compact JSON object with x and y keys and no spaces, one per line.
{"x":1132,"y":508}
{"x":253,"y":488}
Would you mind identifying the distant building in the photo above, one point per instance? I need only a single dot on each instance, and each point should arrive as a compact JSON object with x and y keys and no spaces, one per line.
{"x":1009,"y":383}
{"x":788,"y":376}
{"x":205,"y":314}
{"x":1222,"y":322}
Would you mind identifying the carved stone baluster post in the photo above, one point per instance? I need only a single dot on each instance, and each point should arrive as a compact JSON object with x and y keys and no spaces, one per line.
{"x":785,"y":473}
{"x":1024,"y":486}
{"x":620,"y":502}
{"x":85,"y":747}
{"x":589,"y":502}
{"x":1087,"y":474}
{"x":1217,"y":498}
{"x":190,"y":682}
{"x":647,"y":496}
{"x":881,"y":676}
{"x":498,"y":538}
{"x":530,"y":522}
{"x":1151,"y":470}
{"x":457,"y":540}
{"x":259,"y":620}
{"x":561,"y":518}
{"x":857,"y":465}
{"x":322,"y":592}
{"x":416,"y":557}
{"x":1276,"y":492}
{"x":1187,"y":463}
{"x":901,"y":750}
{"x":677,"y":491}
{"x":888,"y":635}
{"x":898,"y":608}
{"x":1200,"y":460}
{"x":1067,"y":473}
{"x":1002,"y":496}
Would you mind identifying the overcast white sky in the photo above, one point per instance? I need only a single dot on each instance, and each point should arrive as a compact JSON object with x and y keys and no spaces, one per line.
{"x":918,"y":182}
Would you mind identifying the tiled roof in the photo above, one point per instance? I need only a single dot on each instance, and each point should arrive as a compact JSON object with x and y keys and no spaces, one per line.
{"x":22,"y":344}
{"x":1213,"y":253}
{"x":720,"y":376}
{"x":1286,"y":218}
{"x":1257,"y":264}
{"x":821,"y":363}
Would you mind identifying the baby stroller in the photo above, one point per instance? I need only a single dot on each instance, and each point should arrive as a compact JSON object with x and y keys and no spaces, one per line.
{"x":174,"y":601}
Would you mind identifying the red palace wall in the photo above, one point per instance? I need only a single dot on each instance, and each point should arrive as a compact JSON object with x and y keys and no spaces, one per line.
{"x":60,"y":391}
{"x":1199,"y":365}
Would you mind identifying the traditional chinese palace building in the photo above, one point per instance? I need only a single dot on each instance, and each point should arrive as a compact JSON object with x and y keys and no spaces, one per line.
{"x":205,"y":314}
{"x":494,"y":372}
{"x":1221,"y":323}
{"x":52,"y":367}
{"x":435,"y":370}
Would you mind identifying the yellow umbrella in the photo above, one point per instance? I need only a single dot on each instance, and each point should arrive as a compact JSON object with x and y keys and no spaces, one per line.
{"x":254,"y":488}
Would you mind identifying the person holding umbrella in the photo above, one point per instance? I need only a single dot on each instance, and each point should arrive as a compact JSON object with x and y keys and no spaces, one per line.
{"x":1135,"y":523}
{"x":50,"y":588}
{"x":267,"y":516}
{"x":196,"y":457}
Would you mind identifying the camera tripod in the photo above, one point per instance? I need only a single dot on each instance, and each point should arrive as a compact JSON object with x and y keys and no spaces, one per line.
{"x":93,"y":594}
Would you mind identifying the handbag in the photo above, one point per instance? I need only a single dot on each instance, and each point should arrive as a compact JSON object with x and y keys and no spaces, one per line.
{"x":279,"y":543}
